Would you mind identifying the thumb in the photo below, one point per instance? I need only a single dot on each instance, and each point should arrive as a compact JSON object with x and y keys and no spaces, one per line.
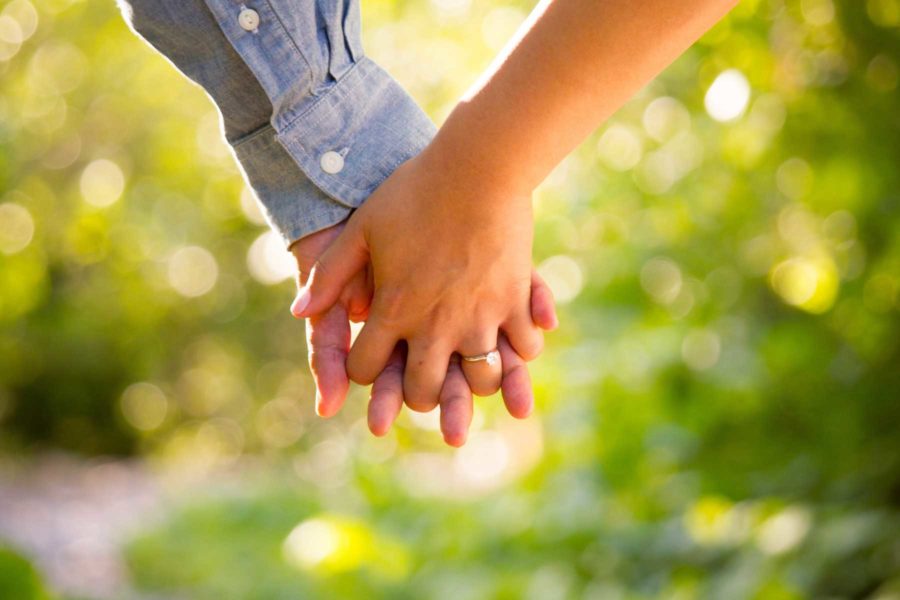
{"x":332,"y":272}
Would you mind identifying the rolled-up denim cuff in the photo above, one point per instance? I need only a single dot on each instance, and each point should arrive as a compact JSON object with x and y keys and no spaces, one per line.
{"x":355,"y":133}
{"x":294,"y":207}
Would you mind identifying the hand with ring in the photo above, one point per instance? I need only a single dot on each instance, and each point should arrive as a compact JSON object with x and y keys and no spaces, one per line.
{"x":328,"y":341}
{"x":451,"y":269}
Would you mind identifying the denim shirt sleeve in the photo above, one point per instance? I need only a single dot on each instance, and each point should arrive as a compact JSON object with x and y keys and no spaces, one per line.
{"x":315,"y":124}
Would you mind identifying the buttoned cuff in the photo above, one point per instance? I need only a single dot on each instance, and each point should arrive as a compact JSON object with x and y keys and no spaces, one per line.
{"x":293,"y":206}
{"x":350,"y":137}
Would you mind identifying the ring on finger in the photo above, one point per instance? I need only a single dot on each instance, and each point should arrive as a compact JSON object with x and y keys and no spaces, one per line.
{"x":491,"y":358}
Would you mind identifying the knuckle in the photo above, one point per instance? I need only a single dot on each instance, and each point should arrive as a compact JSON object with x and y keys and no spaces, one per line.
{"x":453,"y":398}
{"x":305,"y":262}
{"x":321,"y":339}
{"x":535,"y":348}
{"x":515,"y":372}
{"x":318,"y":274}
{"x":420,"y":402}
{"x":392,"y":306}
{"x":393,"y":368}
{"x":530,"y":346}
{"x":325,"y":354}
{"x":359,"y":373}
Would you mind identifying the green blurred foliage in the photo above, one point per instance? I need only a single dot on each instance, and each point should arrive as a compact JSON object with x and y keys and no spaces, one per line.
{"x":718,"y":414}
{"x":18,"y":579}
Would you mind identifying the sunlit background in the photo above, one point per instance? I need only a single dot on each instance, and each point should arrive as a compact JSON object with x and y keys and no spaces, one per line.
{"x":718,"y":415}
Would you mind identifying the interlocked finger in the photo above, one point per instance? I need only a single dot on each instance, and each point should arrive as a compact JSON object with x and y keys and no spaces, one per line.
{"x":426,"y":368}
{"x":481,"y":363}
{"x":387,"y":393}
{"x":517,"y":393}
{"x":456,"y":405}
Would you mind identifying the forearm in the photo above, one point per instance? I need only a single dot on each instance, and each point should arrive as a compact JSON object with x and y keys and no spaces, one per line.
{"x":316,"y":126}
{"x":573,"y":64}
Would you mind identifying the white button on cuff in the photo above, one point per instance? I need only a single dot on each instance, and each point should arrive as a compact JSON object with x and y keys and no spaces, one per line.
{"x":248,"y":19}
{"x":331,"y":162}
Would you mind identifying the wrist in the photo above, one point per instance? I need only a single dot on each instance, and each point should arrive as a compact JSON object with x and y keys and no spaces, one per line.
{"x":468,"y":160}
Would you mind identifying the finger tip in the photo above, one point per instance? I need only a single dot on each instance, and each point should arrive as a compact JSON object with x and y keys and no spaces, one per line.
{"x":550,"y":322}
{"x":519,"y":407}
{"x":524,"y":413}
{"x":455,"y":439}
{"x":301,"y":303}
{"x":326,"y":410}
{"x":379,"y":429}
{"x":554,"y":321}
{"x":483,"y":391}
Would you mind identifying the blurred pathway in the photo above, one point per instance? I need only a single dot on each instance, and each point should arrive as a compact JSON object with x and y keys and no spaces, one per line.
{"x":70,"y":517}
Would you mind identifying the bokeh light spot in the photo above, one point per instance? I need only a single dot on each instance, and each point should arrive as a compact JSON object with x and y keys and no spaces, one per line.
{"x":784,"y":531}
{"x":713,"y":521}
{"x":882,"y":73}
{"x":11,"y":37}
{"x":817,"y":12}
{"x":102,"y":183}
{"x":810,"y":284}
{"x":144,"y":406}
{"x":16,"y":228}
{"x":484,"y":458}
{"x":268,"y":261}
{"x":661,"y":279}
{"x":311,"y":542}
{"x":839,"y":226}
{"x":564,"y":276}
{"x":24,"y":13}
{"x":192,"y":271}
{"x":885,"y":13}
{"x":280,"y":422}
{"x":620,"y":147}
{"x":451,"y":9}
{"x":665,"y":117}
{"x":727,"y":97}
{"x":657,"y":172}
{"x":794,"y":178}
{"x":335,"y":544}
{"x":58,"y":65}
{"x":700,"y":349}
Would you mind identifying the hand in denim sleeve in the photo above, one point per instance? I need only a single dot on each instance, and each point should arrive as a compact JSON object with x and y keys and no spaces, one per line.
{"x":315,"y":125}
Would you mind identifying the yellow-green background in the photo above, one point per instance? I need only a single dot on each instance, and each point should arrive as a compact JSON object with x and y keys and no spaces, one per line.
{"x":718,"y":415}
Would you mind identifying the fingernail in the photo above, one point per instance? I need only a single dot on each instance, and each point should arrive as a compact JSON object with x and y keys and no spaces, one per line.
{"x":300,"y":302}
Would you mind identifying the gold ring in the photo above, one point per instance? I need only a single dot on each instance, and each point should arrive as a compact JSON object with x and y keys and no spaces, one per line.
{"x":491,"y":358}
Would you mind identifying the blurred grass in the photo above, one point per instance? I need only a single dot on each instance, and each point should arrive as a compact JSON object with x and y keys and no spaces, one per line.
{"x":718,"y":413}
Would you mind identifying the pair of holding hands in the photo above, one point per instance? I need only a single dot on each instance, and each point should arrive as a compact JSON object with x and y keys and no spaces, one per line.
{"x":438,"y":266}
{"x":438,"y":260}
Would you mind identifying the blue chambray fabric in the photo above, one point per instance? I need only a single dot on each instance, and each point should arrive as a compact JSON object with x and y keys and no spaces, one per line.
{"x":296,"y":87}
